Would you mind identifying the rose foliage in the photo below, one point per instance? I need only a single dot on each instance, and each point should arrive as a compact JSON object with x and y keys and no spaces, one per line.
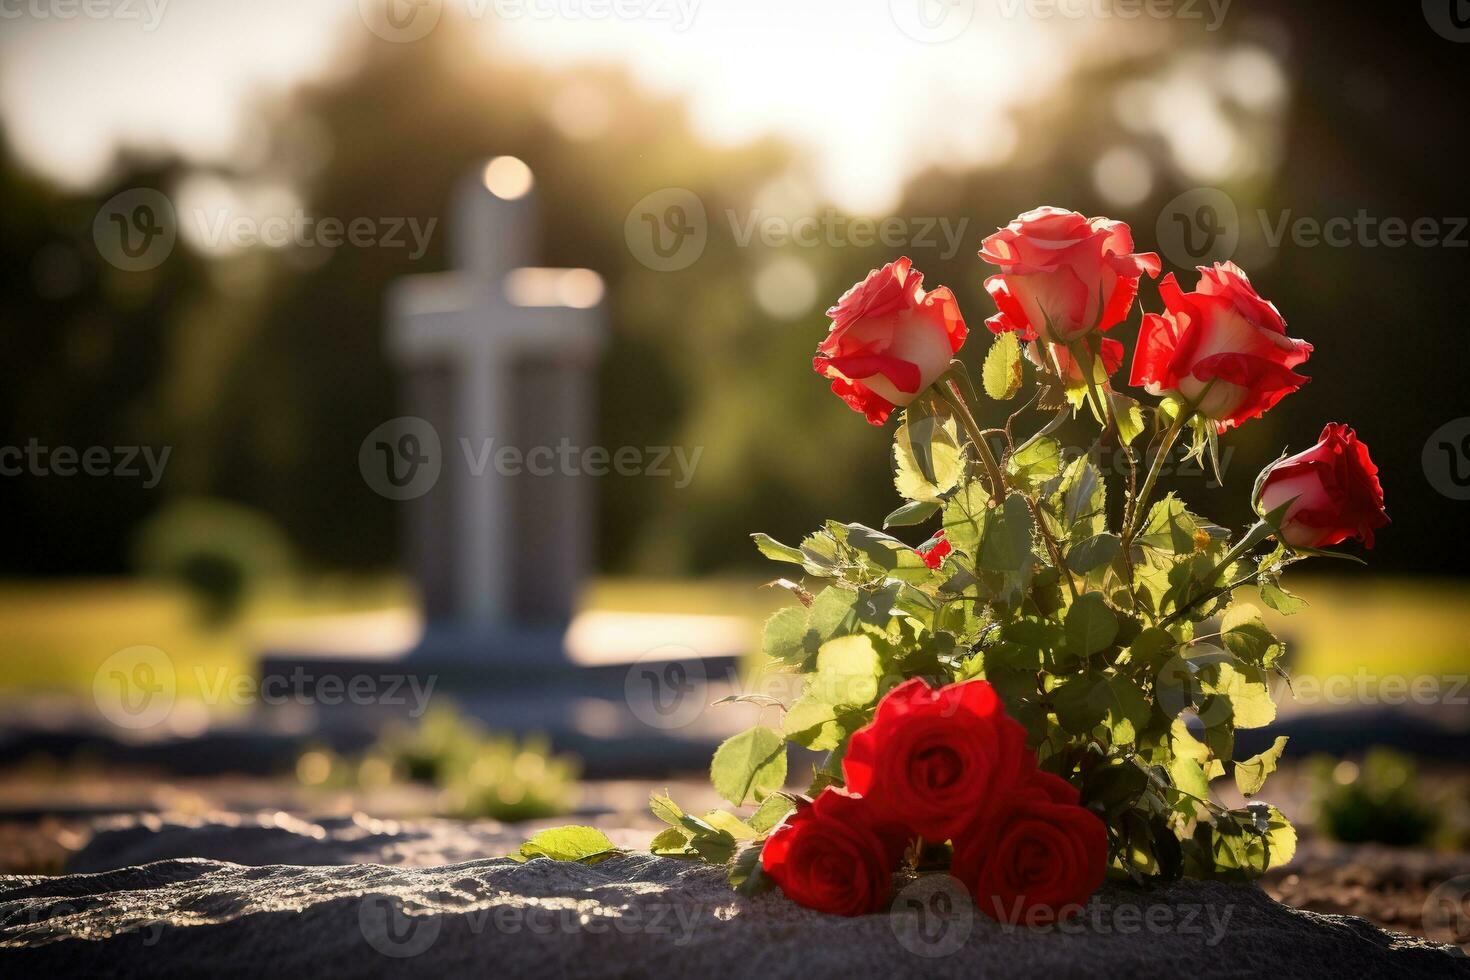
{"x":1044,"y":691}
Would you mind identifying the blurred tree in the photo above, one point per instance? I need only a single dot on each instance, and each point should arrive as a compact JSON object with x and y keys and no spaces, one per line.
{"x":265,"y":368}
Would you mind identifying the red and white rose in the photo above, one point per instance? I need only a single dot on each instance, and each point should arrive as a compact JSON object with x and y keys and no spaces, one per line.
{"x":889,"y":340}
{"x":1063,"y":275}
{"x":1333,"y":488}
{"x":1222,"y":348}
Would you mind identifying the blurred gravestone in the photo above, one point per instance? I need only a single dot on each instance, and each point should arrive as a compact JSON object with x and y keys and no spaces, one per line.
{"x":498,"y":361}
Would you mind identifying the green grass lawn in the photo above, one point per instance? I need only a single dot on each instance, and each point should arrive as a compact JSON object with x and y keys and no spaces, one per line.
{"x":54,"y":635}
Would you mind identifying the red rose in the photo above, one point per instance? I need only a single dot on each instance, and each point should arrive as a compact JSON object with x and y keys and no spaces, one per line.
{"x":934,"y":761}
{"x":1036,"y":860}
{"x":1063,"y":275}
{"x":1222,"y":348}
{"x":1336,"y":487}
{"x":934,"y":550}
{"x":889,"y":340}
{"x":829,"y":855}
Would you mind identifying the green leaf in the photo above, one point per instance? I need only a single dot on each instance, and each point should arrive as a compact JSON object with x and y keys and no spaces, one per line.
{"x":784,"y":636}
{"x":831,"y":613}
{"x":772,"y":811}
{"x":928,"y":457}
{"x":728,"y":823}
{"x":1093,"y":552}
{"x":1153,"y":648}
{"x":1090,"y":624}
{"x":1171,"y":528}
{"x":700,"y":837}
{"x":670,"y":843}
{"x":887,"y":554}
{"x":1245,"y":689}
{"x":1124,"y":707}
{"x":1189,"y":776}
{"x":747,"y":876}
{"x":585,"y":845}
{"x":752,"y":763}
{"x":1007,"y":543}
{"x":1001,"y":374}
{"x":848,"y":670}
{"x":1077,"y":710}
{"x":911,"y":513}
{"x":1284,"y":602}
{"x":1250,"y":774}
{"x":1245,"y":634}
{"x":1084,"y":500}
{"x":775,"y":550}
{"x":965,"y":517}
{"x":1128,"y":415}
{"x":812,"y":723}
{"x":1280,"y":838}
{"x":1035,"y":464}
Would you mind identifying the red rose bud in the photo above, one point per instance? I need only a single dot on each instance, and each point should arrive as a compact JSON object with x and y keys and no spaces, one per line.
{"x":1063,"y":275}
{"x":1038,"y":859}
{"x":1336,"y":490}
{"x":1050,"y":357}
{"x":933,"y":761}
{"x":889,"y":340}
{"x":1222,"y":348}
{"x":934,"y":550}
{"x":829,"y":855}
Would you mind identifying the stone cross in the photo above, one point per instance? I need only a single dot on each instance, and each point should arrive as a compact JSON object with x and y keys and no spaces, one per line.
{"x":498,"y":354}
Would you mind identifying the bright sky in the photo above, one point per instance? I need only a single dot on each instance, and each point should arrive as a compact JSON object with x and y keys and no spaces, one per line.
{"x":873,"y":88}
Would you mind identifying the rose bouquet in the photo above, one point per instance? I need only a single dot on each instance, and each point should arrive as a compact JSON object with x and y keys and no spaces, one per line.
{"x":1042,"y":692}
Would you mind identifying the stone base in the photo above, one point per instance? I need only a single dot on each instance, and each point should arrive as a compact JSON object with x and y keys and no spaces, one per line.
{"x":630,"y":916}
{"x":624,"y":717}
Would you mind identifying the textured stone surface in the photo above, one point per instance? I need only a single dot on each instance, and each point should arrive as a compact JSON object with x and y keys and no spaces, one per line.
{"x":636,"y":916}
